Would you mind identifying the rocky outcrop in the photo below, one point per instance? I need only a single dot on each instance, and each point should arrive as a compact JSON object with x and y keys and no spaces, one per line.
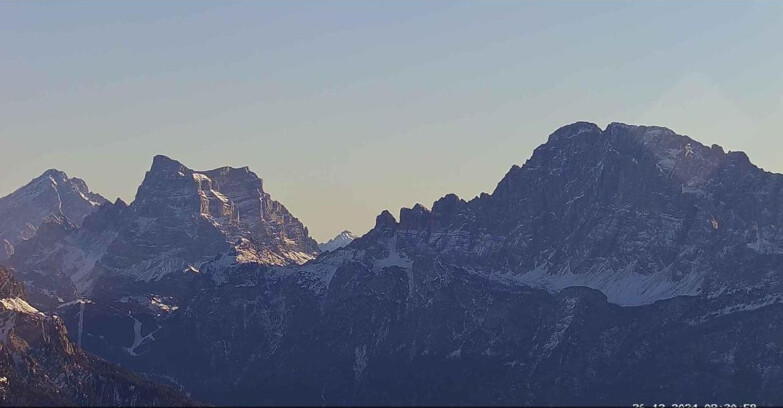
{"x":39,"y":365}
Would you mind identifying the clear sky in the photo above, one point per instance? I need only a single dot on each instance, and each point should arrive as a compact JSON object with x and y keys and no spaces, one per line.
{"x":349,"y":108}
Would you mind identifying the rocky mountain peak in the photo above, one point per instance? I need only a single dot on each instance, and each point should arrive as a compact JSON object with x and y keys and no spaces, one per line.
{"x":51,"y":193}
{"x":59,"y":179}
{"x":582,"y":150}
{"x":120,"y":202}
{"x":187,"y":192}
{"x":633,"y":211}
{"x":416,"y":218}
{"x":342,"y":239}
{"x":163,"y":173}
{"x":385,"y":222}
{"x":55,"y":182}
{"x":573,"y":130}
{"x":445,"y":209}
{"x":57,"y":175}
{"x":164,"y":164}
{"x":172,"y":191}
{"x":220,"y":209}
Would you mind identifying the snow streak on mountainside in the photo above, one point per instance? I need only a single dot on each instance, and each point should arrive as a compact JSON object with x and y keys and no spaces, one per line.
{"x":51,"y":194}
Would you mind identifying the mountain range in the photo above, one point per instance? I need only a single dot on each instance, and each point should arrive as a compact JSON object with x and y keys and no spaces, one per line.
{"x":179,"y":219}
{"x":615,"y":266}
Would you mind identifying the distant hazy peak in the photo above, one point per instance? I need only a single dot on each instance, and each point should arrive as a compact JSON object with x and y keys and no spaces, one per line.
{"x":340,"y":240}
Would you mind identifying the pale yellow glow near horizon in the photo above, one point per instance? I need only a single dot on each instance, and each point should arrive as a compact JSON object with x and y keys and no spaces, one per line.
{"x":349,"y":108}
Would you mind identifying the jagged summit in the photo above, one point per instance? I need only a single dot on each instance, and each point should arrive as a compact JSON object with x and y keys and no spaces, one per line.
{"x":162,"y":162}
{"x":414,"y":218}
{"x":57,"y":174}
{"x":637,"y":212}
{"x":385,"y":220}
{"x":644,"y":128}
{"x":51,"y":193}
{"x":232,"y":202}
{"x":574,"y":129}
{"x":659,"y":140}
{"x":179,"y":219}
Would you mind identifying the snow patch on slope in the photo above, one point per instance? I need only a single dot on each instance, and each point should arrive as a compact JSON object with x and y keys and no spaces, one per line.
{"x":394,"y":258}
{"x":624,"y":287}
{"x":138,"y":340}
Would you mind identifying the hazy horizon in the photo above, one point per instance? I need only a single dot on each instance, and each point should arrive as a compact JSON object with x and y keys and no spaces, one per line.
{"x":346,"y":108}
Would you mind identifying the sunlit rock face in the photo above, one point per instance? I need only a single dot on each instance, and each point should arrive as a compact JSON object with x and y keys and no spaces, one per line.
{"x":190,"y":217}
{"x":52,"y":193}
{"x":180,"y":219}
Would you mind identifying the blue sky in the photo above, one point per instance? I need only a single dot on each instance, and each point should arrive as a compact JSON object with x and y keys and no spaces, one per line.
{"x":349,"y":108}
